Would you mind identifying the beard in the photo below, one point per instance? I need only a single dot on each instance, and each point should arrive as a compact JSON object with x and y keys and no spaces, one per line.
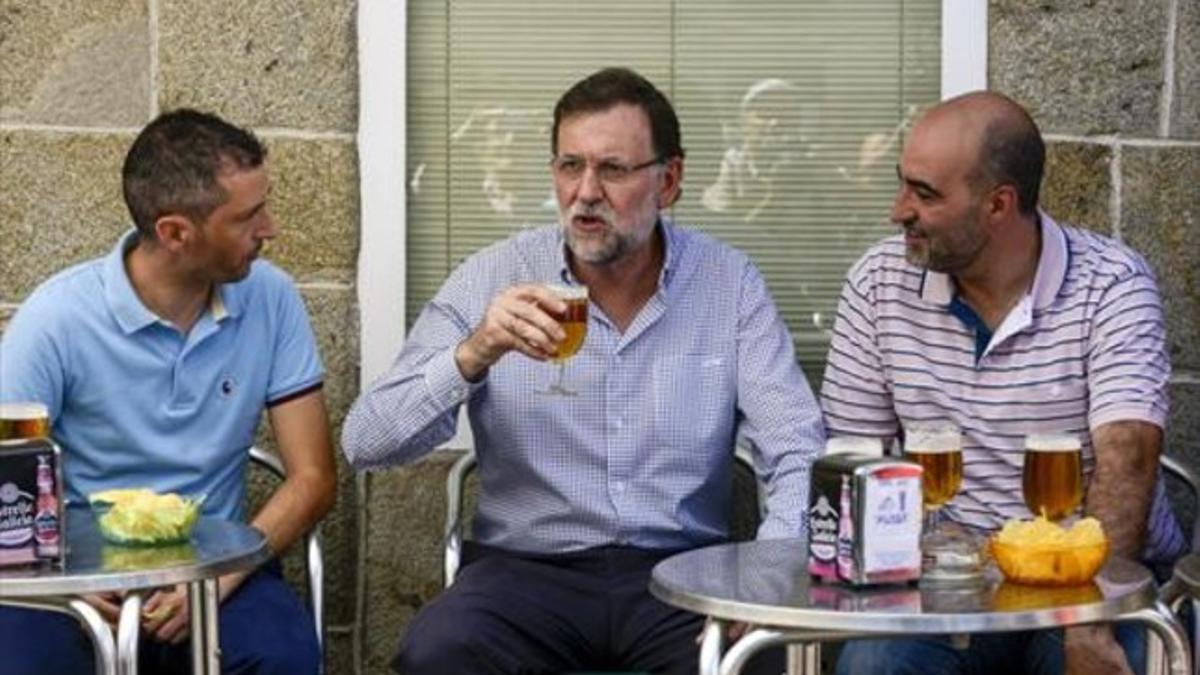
{"x":602,"y":245}
{"x":952,"y":248}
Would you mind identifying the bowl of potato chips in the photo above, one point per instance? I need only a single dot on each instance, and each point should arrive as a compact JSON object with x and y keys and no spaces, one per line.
{"x":1042,"y":553}
{"x":143,"y":517}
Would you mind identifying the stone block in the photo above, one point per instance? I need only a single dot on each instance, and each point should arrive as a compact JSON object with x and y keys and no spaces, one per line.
{"x":334,"y":316}
{"x":1077,"y":184}
{"x":1183,"y":443}
{"x":274,"y":63}
{"x":405,"y":520}
{"x":1161,"y":219}
{"x":62,"y":203}
{"x":75,"y":62}
{"x":314,"y":197}
{"x":1091,"y":67}
{"x":1185,"y":106}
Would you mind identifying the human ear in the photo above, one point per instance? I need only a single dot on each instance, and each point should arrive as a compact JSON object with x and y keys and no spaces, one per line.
{"x":174,"y":231}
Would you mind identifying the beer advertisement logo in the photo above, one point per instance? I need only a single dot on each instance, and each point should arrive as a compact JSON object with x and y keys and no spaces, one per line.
{"x":16,"y":516}
{"x":823,"y":527}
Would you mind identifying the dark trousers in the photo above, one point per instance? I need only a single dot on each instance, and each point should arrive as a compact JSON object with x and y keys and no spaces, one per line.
{"x":264,"y":627}
{"x":516,"y":613}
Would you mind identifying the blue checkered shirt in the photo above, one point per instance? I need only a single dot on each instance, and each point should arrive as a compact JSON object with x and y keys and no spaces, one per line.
{"x":642,"y":455}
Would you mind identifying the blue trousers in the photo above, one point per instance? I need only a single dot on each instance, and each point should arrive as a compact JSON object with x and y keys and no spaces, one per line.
{"x":1034,"y":652}
{"x":265,"y":629}
{"x":514,"y":613}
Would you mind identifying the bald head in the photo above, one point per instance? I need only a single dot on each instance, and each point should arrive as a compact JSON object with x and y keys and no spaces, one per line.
{"x":1005,"y":141}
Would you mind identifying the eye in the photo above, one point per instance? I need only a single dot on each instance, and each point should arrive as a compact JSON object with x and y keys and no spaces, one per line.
{"x":611,"y":171}
{"x":568,"y":166}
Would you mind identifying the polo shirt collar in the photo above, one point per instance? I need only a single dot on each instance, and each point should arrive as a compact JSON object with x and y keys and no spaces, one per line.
{"x":670,"y":254}
{"x":937,"y":288}
{"x":127,"y":307}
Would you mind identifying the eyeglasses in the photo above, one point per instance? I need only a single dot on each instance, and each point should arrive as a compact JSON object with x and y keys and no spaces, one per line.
{"x":610,"y":172}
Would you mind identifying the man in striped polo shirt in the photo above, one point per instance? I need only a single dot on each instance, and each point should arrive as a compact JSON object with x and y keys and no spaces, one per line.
{"x":987,"y":313}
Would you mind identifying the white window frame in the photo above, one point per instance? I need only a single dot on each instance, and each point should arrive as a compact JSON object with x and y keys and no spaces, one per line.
{"x":382,"y":36}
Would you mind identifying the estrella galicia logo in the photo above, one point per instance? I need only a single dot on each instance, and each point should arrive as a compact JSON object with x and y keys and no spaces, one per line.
{"x":228,"y":386}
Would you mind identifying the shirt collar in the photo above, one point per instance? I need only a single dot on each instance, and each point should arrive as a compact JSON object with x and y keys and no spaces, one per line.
{"x":670,"y":254}
{"x":937,"y":288}
{"x":127,"y":307}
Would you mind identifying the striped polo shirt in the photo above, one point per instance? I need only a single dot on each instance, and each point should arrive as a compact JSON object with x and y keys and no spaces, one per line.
{"x":1085,"y":346}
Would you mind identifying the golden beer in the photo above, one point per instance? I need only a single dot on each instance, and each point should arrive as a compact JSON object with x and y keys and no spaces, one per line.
{"x":574,"y":322}
{"x":941,"y":476}
{"x":24,"y":420}
{"x":938,"y":449}
{"x":1052,"y":479}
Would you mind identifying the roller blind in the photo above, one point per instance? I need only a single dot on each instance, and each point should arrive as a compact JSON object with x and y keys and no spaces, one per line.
{"x":793,"y":114}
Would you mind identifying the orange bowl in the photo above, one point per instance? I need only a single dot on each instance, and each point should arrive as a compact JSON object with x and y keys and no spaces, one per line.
{"x":1041,"y":565}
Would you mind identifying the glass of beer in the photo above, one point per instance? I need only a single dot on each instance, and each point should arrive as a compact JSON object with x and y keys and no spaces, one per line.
{"x":21,"y":420}
{"x":1052,"y":479}
{"x":574,"y":322}
{"x":937,"y":447}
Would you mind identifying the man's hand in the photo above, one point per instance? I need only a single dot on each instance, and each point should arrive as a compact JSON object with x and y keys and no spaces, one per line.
{"x":108,"y":604}
{"x":516,"y":320}
{"x":166,"y":614}
{"x":733,"y":632}
{"x":1093,"y":649}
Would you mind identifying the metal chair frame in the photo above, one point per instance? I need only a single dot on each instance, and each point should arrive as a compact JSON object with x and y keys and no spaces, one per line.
{"x":314,"y":559}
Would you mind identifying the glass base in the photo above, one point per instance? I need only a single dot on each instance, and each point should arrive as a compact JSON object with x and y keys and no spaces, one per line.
{"x":555,"y":390}
{"x":951,"y":555}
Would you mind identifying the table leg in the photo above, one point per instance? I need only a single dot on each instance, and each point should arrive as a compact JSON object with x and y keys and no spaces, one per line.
{"x":1168,"y":629}
{"x":202,"y":601}
{"x":127,"y":634}
{"x":804,"y":658}
{"x":104,"y":652}
{"x":712,"y":645}
{"x":747,"y":646}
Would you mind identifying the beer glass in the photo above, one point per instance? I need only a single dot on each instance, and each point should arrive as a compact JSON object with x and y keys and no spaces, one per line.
{"x":574,"y":322}
{"x":937,"y":447}
{"x":1052,"y":479}
{"x":19,"y":420}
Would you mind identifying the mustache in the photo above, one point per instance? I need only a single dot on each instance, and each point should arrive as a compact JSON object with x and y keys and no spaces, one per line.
{"x":599,"y":211}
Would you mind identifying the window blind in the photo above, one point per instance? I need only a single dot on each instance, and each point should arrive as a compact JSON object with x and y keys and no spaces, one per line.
{"x":793,"y":115}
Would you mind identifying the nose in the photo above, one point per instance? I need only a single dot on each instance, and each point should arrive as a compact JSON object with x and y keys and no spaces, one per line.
{"x":270,"y":228}
{"x":590,"y":190}
{"x":902,"y":210}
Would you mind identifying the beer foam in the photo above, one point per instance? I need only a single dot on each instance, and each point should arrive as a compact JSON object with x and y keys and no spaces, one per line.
{"x":863,"y":445}
{"x":568,"y":292}
{"x":932,"y":438}
{"x":23,"y":410}
{"x":1052,"y":443}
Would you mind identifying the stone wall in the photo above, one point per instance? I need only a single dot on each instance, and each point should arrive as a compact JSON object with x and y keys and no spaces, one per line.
{"x":81,"y":77}
{"x":1115,"y":84}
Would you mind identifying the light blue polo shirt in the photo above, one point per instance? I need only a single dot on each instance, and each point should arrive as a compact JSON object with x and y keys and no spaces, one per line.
{"x":136,"y":403}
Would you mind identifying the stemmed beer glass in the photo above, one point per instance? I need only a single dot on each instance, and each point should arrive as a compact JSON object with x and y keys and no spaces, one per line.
{"x":937,"y":447}
{"x":1052,"y":476}
{"x":574,"y":322}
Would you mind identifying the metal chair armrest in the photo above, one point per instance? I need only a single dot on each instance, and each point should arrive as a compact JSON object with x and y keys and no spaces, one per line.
{"x":314,"y":561}
{"x":456,"y":482}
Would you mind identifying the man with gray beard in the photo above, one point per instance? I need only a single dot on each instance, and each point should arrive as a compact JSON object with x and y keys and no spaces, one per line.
{"x":584,"y":490}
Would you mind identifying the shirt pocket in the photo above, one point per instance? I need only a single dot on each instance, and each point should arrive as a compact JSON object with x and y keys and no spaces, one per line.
{"x":694,"y":400}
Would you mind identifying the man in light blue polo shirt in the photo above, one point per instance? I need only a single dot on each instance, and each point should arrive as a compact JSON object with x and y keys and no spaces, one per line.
{"x":156,"y":362}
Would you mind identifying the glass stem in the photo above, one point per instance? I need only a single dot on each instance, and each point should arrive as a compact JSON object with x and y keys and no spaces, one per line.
{"x":933,"y":518}
{"x":562,"y":370}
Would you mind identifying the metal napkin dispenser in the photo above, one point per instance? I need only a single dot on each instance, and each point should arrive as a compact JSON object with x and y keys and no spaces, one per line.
{"x":32,"y":526}
{"x":865,"y":520}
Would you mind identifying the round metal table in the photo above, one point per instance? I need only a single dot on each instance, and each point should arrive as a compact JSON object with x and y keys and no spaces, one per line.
{"x":766,"y":583}
{"x":216,"y":547}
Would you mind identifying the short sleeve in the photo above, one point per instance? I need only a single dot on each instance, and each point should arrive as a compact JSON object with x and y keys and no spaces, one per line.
{"x":295,"y":363}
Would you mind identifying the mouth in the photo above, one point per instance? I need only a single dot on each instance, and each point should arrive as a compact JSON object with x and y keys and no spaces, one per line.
{"x":588,"y":223}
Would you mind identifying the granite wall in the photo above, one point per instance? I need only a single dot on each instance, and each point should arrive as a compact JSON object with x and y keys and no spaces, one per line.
{"x":1115,"y":85}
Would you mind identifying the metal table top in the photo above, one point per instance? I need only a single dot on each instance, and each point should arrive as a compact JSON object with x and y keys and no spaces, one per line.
{"x":93,"y":566}
{"x":767,"y":583}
